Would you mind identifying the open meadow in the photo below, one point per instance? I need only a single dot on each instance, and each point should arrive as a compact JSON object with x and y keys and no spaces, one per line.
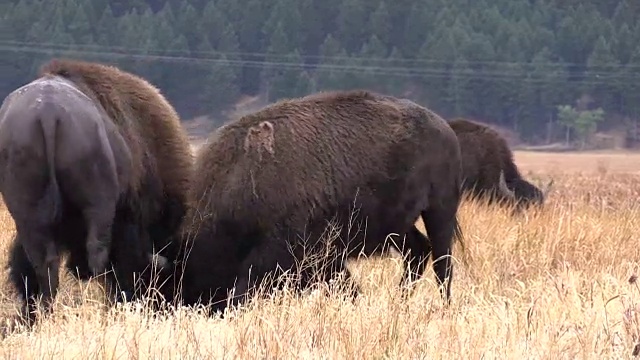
{"x":555,"y":284}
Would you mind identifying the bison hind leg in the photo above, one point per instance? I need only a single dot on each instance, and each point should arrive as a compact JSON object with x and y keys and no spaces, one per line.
{"x":73,"y":230}
{"x":418,"y":248}
{"x":77,"y":264}
{"x":441,"y":224}
{"x":163,"y":233}
{"x":99,"y":220}
{"x":34,"y":262}
{"x":24,"y":280}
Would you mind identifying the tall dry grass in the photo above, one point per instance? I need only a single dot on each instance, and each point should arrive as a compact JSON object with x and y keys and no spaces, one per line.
{"x":554,"y":284}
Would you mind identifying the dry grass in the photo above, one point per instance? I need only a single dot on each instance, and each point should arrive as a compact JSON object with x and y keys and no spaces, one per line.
{"x":552,"y":285}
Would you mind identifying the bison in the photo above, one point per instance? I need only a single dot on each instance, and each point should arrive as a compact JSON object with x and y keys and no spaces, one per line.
{"x":93,"y":162}
{"x":268,"y":183}
{"x":489,"y":169}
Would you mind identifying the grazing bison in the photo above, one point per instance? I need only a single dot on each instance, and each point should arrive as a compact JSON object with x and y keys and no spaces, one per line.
{"x":271,"y":179}
{"x":488,"y":166}
{"x":93,"y":162}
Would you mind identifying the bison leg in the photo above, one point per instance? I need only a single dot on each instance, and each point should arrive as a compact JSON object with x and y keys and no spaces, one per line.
{"x":441,"y":224}
{"x":126,"y":260}
{"x":336,"y":265}
{"x":264,"y":258}
{"x":132,"y":256}
{"x":99,"y":223}
{"x":75,"y":233}
{"x":24,"y":280}
{"x":35,"y":266}
{"x":417,"y":253}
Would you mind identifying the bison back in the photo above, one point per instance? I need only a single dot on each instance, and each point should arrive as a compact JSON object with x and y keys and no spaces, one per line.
{"x":305,"y":159}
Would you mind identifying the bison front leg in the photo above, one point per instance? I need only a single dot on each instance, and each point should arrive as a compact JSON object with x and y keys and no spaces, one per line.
{"x":416,"y":250}
{"x":270,"y":256}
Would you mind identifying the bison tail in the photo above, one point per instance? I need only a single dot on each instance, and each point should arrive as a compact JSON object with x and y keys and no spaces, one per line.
{"x":52,"y":199}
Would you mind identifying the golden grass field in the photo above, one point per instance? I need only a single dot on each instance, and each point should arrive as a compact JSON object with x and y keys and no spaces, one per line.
{"x":554,"y":284}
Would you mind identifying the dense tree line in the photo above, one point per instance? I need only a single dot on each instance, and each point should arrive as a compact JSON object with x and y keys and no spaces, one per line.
{"x":510,"y":62}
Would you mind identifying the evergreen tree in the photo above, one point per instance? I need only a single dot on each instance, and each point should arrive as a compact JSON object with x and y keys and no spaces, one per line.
{"x":417,"y":26}
{"x":373,"y":57}
{"x":222,"y":86}
{"x":332,"y":56}
{"x":282,"y":76}
{"x":211,"y":25}
{"x":457,"y":90}
{"x":79,"y":28}
{"x":631,"y":87}
{"x":106,"y":29}
{"x":603,"y":75}
{"x":352,"y":25}
{"x":380,"y":23}
{"x":311,"y":28}
{"x":285,"y":14}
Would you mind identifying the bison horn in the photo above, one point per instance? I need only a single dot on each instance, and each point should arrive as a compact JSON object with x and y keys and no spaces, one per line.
{"x":158,"y":261}
{"x":504,"y":189}
{"x":548,"y":187}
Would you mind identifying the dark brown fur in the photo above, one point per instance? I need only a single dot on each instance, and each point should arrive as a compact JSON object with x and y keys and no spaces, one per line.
{"x":271,"y":178}
{"x":485,"y":155}
{"x":152,"y":161}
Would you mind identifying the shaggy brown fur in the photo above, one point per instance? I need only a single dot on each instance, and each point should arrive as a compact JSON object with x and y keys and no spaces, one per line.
{"x":485,"y":156}
{"x":143,"y":114}
{"x":275,"y":177}
{"x":141,"y":133}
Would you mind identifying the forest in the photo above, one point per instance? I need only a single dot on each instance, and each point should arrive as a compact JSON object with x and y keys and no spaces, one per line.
{"x":519,"y":64}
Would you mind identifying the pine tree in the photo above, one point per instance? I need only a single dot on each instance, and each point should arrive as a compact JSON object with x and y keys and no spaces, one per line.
{"x":380,"y":23}
{"x":332,"y":56}
{"x":285,"y":13}
{"x":374,"y":56}
{"x":603,"y":75}
{"x":352,"y":25}
{"x":221,"y":86}
{"x":281,"y":77}
{"x":106,"y":29}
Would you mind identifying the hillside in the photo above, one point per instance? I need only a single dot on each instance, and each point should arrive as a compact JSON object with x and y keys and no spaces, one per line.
{"x":506,"y":62}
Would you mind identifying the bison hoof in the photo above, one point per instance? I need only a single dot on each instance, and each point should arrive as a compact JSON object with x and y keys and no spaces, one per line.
{"x":98,"y":260}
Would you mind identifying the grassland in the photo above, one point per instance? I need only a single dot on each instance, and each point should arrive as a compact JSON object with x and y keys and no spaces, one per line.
{"x":554,"y":284}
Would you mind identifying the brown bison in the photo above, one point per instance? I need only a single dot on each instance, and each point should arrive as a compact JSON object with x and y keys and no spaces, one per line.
{"x":489,"y":169}
{"x":269,"y":183}
{"x":93,"y":162}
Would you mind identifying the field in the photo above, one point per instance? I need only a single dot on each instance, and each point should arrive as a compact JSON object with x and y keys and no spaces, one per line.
{"x":555,"y":284}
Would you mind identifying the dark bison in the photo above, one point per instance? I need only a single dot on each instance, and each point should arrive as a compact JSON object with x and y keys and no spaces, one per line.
{"x":271,"y":179}
{"x":489,"y":169}
{"x":93,"y":162}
